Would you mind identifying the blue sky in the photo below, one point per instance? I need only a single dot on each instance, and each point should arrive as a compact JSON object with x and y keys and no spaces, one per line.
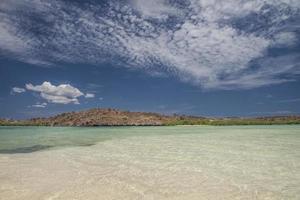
{"x":200,"y":57}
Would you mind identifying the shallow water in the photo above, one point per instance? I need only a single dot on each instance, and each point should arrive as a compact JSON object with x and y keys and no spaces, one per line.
{"x":182,"y":162}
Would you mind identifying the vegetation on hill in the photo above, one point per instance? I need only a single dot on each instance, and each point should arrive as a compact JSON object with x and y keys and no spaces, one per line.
{"x":114,"y":117}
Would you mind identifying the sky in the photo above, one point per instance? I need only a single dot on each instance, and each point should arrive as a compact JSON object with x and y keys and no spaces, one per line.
{"x":194,"y":57}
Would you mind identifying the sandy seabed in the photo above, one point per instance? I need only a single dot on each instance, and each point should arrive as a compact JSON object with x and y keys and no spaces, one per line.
{"x":186,"y":166}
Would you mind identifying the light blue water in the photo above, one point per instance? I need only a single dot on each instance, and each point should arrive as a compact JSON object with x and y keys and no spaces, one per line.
{"x":180,"y":162}
{"x":30,"y":139}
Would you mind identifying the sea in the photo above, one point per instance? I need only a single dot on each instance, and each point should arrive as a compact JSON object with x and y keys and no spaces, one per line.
{"x":151,"y":163}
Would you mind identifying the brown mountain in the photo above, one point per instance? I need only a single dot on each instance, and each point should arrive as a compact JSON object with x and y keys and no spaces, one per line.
{"x":114,"y":117}
{"x":103,"y":117}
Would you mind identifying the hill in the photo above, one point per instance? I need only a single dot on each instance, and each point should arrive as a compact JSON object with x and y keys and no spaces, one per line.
{"x":114,"y":117}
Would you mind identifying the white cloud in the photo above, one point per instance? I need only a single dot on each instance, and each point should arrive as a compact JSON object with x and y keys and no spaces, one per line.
{"x":200,"y":42}
{"x":61,"y":94}
{"x":9,"y":40}
{"x":18,"y":90}
{"x":215,"y":10}
{"x":159,"y":9}
{"x":285,"y":39}
{"x":40,"y":105}
{"x":89,"y":95}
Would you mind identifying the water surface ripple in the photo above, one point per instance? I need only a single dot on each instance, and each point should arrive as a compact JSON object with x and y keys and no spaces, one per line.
{"x":182,"y":162}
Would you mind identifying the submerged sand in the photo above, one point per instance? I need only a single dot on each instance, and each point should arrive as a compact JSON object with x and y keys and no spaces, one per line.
{"x":229,"y":163}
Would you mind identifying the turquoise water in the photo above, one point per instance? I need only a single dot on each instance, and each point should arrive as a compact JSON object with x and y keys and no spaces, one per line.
{"x":30,"y":139}
{"x":180,"y":162}
{"x":14,"y":138}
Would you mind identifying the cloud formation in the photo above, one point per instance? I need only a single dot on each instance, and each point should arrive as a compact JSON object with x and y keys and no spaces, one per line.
{"x":18,"y":90}
{"x":40,"y":105}
{"x":89,"y":95}
{"x":61,"y":94}
{"x":157,"y":9}
{"x":209,"y":43}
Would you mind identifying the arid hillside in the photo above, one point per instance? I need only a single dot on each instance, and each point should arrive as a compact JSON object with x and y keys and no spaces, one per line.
{"x":114,"y":117}
{"x":103,"y":117}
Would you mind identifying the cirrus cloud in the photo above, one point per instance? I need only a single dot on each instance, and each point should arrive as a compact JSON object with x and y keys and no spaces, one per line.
{"x":209,"y":43}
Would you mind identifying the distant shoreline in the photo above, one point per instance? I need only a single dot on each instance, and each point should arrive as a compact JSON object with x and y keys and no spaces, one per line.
{"x":116,"y":118}
{"x":111,"y":126}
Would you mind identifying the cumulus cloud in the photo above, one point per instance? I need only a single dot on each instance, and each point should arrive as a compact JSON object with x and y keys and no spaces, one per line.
{"x":18,"y":90}
{"x":61,"y":94}
{"x":209,"y":43}
{"x":89,"y":95}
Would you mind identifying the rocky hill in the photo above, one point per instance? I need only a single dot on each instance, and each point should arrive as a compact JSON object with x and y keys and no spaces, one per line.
{"x":103,"y":117}
{"x":114,"y":117}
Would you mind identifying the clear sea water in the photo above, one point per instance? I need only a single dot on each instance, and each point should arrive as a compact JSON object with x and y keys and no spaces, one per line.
{"x":179,"y":162}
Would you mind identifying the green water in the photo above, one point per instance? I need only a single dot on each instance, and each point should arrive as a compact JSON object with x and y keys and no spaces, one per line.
{"x":13,"y":138}
{"x":30,"y":139}
{"x":179,"y":162}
